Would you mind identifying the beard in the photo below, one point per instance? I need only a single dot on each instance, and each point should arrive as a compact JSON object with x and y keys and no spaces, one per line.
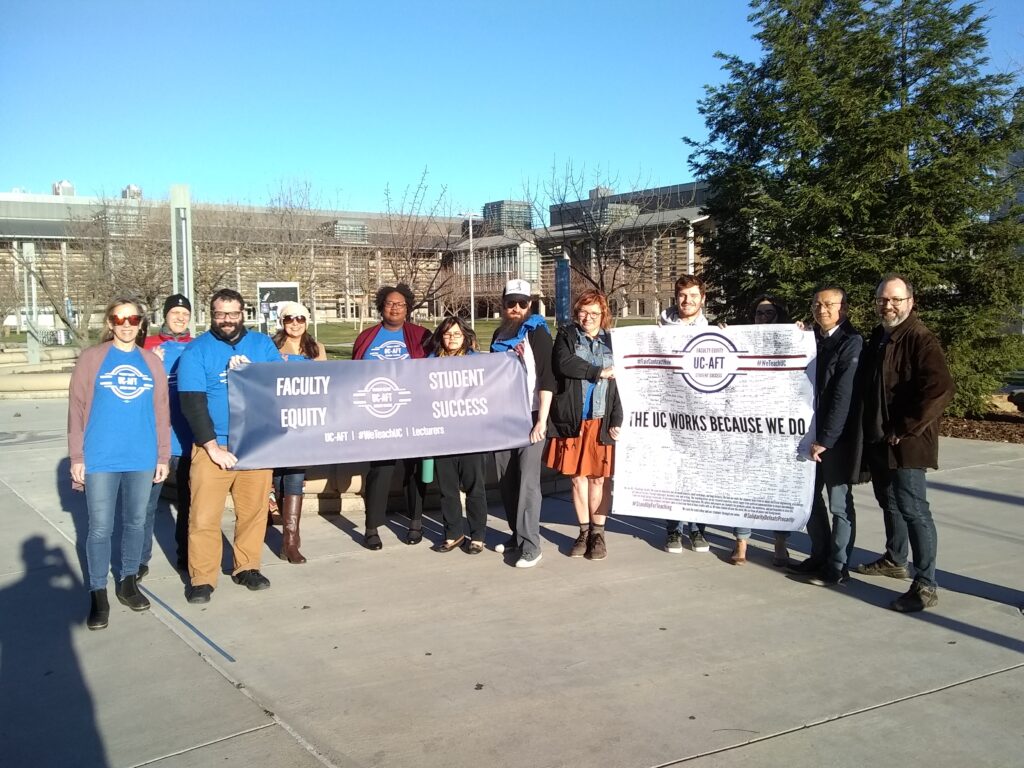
{"x":228,"y":332}
{"x":510,"y":327}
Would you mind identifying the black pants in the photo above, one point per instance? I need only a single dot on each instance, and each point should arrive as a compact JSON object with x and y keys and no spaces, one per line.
{"x":184,"y":491}
{"x":378,"y":488}
{"x":466,"y":470}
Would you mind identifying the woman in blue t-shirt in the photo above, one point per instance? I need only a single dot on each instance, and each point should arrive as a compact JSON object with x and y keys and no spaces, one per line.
{"x":118,"y":442}
{"x":296,"y":345}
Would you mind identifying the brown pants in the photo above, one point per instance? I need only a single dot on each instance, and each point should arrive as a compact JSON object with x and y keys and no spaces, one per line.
{"x":250,"y":491}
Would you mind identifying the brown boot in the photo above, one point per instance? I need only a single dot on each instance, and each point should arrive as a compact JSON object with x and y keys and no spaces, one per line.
{"x":290,"y":540}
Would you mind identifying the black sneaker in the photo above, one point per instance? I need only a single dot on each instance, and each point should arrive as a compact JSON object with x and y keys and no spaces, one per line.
{"x":200,"y":593}
{"x":917,"y":598}
{"x":698,"y":543}
{"x":883,"y":566}
{"x":830,"y":578}
{"x":674,"y":542}
{"x":251,"y":579}
{"x":806,"y":567}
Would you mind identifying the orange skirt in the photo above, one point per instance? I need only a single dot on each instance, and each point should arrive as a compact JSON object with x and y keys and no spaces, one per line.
{"x":582,"y":456}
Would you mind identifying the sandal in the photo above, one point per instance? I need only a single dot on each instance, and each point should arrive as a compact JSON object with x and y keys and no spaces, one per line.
{"x":449,"y":544}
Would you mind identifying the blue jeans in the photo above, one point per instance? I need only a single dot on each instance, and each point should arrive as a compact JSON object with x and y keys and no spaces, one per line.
{"x":902,"y":495}
{"x":101,"y":489}
{"x":832,"y":545}
{"x":288,"y":482}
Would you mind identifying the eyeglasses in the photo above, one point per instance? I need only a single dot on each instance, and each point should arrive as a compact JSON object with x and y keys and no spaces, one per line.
{"x":826,"y":304}
{"x":896,"y":301}
{"x":286,"y":319}
{"x":394,"y":305}
{"x":589,"y":315}
{"x":227,"y":315}
{"x":453,"y":335}
{"x":521,"y":303}
{"x":132,"y":320}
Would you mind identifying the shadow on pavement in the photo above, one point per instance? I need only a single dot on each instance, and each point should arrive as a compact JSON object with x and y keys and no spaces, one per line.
{"x":47,"y":716}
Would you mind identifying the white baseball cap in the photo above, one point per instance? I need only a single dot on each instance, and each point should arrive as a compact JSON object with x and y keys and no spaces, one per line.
{"x":517,"y":288}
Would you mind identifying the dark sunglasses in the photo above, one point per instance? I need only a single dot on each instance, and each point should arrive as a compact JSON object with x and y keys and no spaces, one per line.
{"x":522,"y":304}
{"x":132,"y":320}
{"x":294,"y":319}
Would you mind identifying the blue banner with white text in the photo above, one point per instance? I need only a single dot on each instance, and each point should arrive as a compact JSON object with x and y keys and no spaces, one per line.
{"x":346,"y":411}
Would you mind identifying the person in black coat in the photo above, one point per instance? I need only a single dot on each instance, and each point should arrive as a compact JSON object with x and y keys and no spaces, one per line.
{"x":585,"y":418}
{"x":837,"y":441}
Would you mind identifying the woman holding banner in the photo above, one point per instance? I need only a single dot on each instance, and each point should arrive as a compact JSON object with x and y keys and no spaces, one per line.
{"x":765,"y":310}
{"x":296,"y":345}
{"x":585,"y":418}
{"x":454,"y":338}
{"x":119,"y":443}
{"x":394,"y":338}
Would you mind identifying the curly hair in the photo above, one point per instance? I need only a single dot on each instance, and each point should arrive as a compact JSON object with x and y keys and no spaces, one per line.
{"x":385,"y":290}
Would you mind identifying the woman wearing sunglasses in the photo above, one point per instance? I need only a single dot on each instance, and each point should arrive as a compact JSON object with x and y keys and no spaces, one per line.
{"x":295,"y":345}
{"x":454,"y":338}
{"x":119,"y":441}
{"x":585,"y":417}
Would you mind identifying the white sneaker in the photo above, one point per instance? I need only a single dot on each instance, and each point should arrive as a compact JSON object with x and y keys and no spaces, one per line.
{"x":509,"y":545}
{"x":528,"y":561}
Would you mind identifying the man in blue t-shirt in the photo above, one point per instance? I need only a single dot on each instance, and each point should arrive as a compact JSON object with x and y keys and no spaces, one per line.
{"x":203,"y":391}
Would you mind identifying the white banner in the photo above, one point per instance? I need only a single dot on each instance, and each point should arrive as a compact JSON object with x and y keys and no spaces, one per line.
{"x":717,"y":424}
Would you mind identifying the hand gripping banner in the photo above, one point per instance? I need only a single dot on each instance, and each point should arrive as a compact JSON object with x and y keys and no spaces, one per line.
{"x":337,"y":412}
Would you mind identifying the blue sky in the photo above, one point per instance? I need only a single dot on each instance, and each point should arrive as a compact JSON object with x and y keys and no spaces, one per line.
{"x":239,"y":98}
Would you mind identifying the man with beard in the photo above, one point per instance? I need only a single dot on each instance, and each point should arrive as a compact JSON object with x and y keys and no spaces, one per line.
{"x":203,"y":390}
{"x":907,"y":385}
{"x":688,"y":310}
{"x":519,"y":469}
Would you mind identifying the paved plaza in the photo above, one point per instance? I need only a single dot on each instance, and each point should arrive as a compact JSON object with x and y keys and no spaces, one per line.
{"x":411,"y":658}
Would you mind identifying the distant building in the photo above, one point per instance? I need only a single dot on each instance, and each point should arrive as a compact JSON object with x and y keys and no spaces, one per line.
{"x":504,"y":216}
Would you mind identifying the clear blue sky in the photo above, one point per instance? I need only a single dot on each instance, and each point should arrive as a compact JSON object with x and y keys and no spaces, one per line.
{"x":236,"y":97}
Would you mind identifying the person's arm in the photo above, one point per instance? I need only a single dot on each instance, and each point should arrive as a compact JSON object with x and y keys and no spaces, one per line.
{"x":567,"y":363}
{"x":540,"y":427}
{"x":933,"y":387}
{"x":540,"y":343}
{"x":321,"y":352}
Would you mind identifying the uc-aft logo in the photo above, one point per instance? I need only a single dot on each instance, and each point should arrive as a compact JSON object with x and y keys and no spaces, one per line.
{"x":381,"y":397}
{"x":709,"y":363}
{"x":126,"y":382}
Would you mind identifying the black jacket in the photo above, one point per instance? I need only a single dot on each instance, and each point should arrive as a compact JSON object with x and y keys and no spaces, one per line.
{"x":566,"y":416}
{"x":837,"y":407}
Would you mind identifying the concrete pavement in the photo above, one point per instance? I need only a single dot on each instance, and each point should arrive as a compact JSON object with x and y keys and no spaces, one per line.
{"x":408,"y":657}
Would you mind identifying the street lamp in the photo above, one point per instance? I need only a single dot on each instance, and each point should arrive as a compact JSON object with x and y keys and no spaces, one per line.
{"x":472,"y":271}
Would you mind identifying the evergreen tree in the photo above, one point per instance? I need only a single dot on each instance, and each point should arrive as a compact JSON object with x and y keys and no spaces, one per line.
{"x":868,"y":139}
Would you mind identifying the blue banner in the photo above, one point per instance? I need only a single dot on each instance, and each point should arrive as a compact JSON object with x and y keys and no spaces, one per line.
{"x":338,"y":412}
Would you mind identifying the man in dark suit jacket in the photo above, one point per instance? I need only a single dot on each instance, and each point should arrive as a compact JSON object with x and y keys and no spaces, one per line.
{"x":837,"y":442}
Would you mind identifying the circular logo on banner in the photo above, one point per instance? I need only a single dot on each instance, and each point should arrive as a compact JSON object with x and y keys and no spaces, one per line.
{"x":381,"y":397}
{"x":710,"y":362}
{"x":126,"y":382}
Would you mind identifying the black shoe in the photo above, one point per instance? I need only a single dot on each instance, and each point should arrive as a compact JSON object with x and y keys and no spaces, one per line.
{"x":414,"y":536}
{"x":830,"y":578}
{"x":143,"y":572}
{"x":200,"y":593}
{"x":251,"y":579}
{"x":373,"y":542}
{"x":99,"y":609}
{"x":806,"y":568}
{"x":128,"y":594}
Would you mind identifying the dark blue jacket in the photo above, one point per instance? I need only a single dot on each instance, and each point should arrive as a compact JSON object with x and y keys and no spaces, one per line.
{"x":837,"y":408}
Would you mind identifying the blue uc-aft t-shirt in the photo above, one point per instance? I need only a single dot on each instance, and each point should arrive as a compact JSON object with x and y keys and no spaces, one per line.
{"x":204,"y":368}
{"x":181,"y":432}
{"x":121,"y":433}
{"x":387,"y":345}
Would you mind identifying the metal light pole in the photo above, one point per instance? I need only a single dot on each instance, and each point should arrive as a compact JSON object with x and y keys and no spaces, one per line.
{"x":472,"y":272}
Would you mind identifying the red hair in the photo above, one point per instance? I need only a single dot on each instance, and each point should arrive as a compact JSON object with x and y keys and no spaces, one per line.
{"x":594,"y":296}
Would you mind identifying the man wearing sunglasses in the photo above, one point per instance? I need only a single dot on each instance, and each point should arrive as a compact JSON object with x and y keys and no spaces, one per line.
{"x":526,"y":334}
{"x":907,"y":386}
{"x":203,"y":390}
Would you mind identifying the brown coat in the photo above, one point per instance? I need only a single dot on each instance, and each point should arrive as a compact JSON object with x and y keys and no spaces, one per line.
{"x":916,"y":387}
